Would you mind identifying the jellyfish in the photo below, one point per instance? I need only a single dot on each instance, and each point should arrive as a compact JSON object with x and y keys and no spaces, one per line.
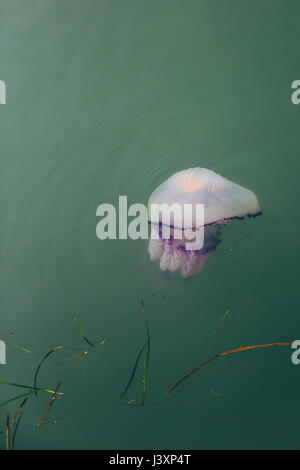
{"x":222,"y":200}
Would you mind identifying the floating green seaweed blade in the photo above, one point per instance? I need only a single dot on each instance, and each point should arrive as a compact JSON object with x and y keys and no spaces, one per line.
{"x":21,"y":396}
{"x":133,"y":371}
{"x":144,"y":383}
{"x":81,"y":332}
{"x":42,"y":361}
{"x":19,"y":347}
{"x":34,"y":389}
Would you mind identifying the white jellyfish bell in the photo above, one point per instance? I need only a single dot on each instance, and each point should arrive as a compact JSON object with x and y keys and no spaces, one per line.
{"x":222,"y":201}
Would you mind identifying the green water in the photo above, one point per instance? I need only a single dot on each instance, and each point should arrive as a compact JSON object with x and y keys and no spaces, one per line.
{"x":108,"y":98}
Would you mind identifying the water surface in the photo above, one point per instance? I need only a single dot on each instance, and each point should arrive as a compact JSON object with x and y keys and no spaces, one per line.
{"x":109,"y":98}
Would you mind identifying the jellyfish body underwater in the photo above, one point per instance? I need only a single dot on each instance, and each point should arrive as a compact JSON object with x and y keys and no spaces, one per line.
{"x":223,"y":201}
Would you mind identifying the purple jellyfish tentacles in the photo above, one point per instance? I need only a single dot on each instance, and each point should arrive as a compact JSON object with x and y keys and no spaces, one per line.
{"x":223,"y":201}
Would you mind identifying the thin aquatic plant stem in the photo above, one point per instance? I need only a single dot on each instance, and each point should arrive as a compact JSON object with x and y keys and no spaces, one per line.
{"x":226,"y":353}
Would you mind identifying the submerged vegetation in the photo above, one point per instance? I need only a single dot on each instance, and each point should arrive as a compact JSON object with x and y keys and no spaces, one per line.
{"x":40,"y":423}
{"x":133,"y":371}
{"x":144,"y":380}
{"x":42,"y":361}
{"x":11,"y":425}
{"x":226,"y":353}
